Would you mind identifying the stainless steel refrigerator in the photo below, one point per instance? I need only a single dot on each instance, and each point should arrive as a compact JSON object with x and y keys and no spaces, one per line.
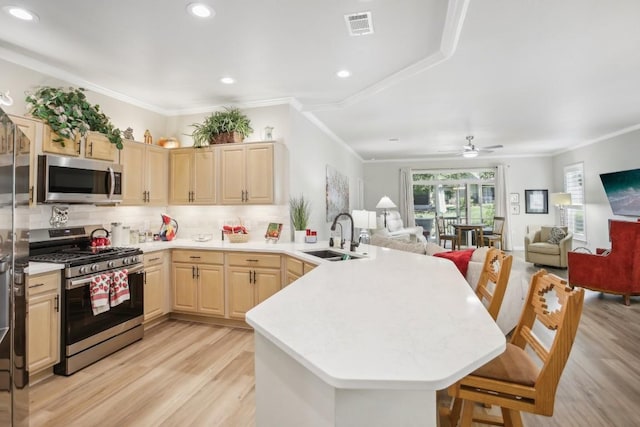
{"x":14,"y":254}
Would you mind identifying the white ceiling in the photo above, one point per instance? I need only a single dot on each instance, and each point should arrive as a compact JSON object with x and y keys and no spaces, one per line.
{"x":535,"y":76}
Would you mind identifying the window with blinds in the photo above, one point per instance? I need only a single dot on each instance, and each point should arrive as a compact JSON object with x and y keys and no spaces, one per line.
{"x":574,"y":184}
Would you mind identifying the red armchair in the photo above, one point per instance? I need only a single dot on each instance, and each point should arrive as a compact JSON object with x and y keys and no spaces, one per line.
{"x":615,"y":271}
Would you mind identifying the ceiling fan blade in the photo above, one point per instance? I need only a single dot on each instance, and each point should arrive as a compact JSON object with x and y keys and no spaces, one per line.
{"x":492,"y":147}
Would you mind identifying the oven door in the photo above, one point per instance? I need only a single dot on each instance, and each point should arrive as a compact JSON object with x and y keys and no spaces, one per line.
{"x":82,"y":328}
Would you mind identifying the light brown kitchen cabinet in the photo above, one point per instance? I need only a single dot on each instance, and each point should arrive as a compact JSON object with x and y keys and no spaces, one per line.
{"x":144,"y":174}
{"x":297,"y":268}
{"x":154,"y":284}
{"x":198,"y":282}
{"x":32,"y":135}
{"x":70,"y":148}
{"x":247,"y":173}
{"x":98,"y":147}
{"x":251,"y":279}
{"x":193,"y":176}
{"x":43,"y":321}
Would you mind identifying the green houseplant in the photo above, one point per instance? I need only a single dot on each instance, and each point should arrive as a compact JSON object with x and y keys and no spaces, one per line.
{"x":68,"y":113}
{"x":229,"y":125}
{"x":300,"y":211}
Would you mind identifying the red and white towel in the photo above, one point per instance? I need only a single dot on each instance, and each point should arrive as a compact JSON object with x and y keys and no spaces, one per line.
{"x":119,"y":287}
{"x":99,"y":293}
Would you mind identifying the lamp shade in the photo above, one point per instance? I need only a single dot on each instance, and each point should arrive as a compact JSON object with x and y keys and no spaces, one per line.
{"x":385,"y":203}
{"x":560,"y":199}
{"x":364,"y":219}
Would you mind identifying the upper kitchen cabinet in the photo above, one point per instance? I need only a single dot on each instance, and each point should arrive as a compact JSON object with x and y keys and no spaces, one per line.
{"x":144,"y":169}
{"x":193,"y":176}
{"x":30,"y":138}
{"x":98,"y":147}
{"x":251,"y":173}
{"x":70,"y":148}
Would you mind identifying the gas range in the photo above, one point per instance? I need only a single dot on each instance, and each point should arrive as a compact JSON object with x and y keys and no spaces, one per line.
{"x":72,"y":247}
{"x":87,"y":336}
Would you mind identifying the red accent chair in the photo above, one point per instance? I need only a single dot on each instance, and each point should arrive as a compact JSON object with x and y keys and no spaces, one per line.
{"x":615,"y":271}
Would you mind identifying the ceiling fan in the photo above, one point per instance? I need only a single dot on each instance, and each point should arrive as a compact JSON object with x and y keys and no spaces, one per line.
{"x":470,"y":150}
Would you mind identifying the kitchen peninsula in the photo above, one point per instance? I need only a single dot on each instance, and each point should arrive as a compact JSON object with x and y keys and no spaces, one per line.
{"x":368,"y":342}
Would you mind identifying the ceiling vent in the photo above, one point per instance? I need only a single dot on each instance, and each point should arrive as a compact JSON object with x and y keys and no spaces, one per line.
{"x":359,"y":24}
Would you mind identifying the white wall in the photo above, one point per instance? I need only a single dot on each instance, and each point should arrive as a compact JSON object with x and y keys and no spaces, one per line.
{"x":18,"y":80}
{"x":525,"y":173}
{"x":310,"y":151}
{"x":611,"y":155}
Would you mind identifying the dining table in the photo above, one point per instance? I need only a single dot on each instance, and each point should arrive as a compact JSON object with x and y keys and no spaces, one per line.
{"x":476,"y":228}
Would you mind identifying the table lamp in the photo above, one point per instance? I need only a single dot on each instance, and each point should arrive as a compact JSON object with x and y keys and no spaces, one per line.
{"x":385,"y":203}
{"x":561,"y":200}
{"x":364,"y":220}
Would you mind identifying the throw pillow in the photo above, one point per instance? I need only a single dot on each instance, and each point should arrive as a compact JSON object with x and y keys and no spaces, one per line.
{"x":556,"y":235}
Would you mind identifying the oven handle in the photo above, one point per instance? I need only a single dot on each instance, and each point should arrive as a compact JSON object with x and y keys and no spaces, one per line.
{"x":78,"y":283}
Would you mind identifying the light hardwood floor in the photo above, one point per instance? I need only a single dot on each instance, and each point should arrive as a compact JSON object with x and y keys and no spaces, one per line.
{"x":188,"y":374}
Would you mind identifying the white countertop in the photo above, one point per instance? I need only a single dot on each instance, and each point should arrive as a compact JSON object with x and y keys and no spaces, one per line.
{"x":394,"y":321}
{"x":42,"y":267}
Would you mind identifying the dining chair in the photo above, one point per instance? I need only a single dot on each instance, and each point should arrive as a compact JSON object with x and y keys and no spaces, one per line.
{"x":493,"y":280}
{"x":496,"y":232}
{"x":444,"y":236}
{"x":514,"y":381}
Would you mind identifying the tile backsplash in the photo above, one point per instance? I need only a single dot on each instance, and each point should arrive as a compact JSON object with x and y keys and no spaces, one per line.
{"x":192,"y":220}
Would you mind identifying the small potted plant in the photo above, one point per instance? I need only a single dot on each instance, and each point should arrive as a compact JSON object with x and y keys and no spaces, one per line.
{"x":69,"y":114}
{"x":221,"y":127}
{"x":300,"y":211}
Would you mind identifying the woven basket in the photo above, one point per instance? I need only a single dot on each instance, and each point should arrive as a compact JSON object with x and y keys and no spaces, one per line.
{"x":237,"y":237}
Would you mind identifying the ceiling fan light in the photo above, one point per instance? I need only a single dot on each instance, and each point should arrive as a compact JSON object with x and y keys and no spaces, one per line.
{"x":468,"y":154}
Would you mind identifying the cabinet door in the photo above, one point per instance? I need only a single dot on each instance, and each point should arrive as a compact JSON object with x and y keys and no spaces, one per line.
{"x":28,"y":128}
{"x":204,"y":176}
{"x":133,"y":173}
{"x":267,"y":283}
{"x":291,"y":277}
{"x":241,"y":291}
{"x":259,"y":173}
{"x":185,"y":291}
{"x":31,"y":129}
{"x":153,"y":292}
{"x":98,"y":147}
{"x":232,"y":165}
{"x":210,"y":289}
{"x":70,"y":148}
{"x":43,"y":331}
{"x":180,"y":177}
{"x":157,"y":184}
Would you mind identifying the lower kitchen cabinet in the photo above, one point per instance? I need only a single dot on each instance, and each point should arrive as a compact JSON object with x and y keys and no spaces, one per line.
{"x":43,"y":321}
{"x":251,"y":279}
{"x":198,"y":282}
{"x":297,"y":268}
{"x":154,"y":284}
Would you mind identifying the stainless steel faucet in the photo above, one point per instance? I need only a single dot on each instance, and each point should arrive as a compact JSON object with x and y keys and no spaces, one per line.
{"x":353,"y":244}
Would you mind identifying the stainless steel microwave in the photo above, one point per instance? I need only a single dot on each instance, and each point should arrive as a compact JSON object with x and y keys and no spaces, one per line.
{"x":71,"y":180}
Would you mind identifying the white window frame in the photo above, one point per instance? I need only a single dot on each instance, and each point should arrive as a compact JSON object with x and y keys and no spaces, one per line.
{"x":574,"y":184}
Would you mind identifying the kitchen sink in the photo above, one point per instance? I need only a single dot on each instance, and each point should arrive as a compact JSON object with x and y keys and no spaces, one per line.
{"x":330,"y":255}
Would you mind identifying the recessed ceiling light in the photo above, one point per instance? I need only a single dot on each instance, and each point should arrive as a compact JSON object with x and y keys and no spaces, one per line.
{"x":21,"y":13}
{"x":394,"y":139}
{"x":228,"y":80}
{"x":200,"y":10}
{"x":343,"y":74}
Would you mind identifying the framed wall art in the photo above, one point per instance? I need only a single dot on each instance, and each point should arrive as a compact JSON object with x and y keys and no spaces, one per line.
{"x":536,"y":201}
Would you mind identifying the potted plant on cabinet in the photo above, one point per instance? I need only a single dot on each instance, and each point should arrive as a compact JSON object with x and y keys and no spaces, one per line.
{"x":300,"y":211}
{"x":222,"y":127}
{"x":69,"y":114}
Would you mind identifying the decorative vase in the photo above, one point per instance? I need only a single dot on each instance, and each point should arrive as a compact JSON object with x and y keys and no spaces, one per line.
{"x":299,"y":235}
{"x":169,"y":228}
